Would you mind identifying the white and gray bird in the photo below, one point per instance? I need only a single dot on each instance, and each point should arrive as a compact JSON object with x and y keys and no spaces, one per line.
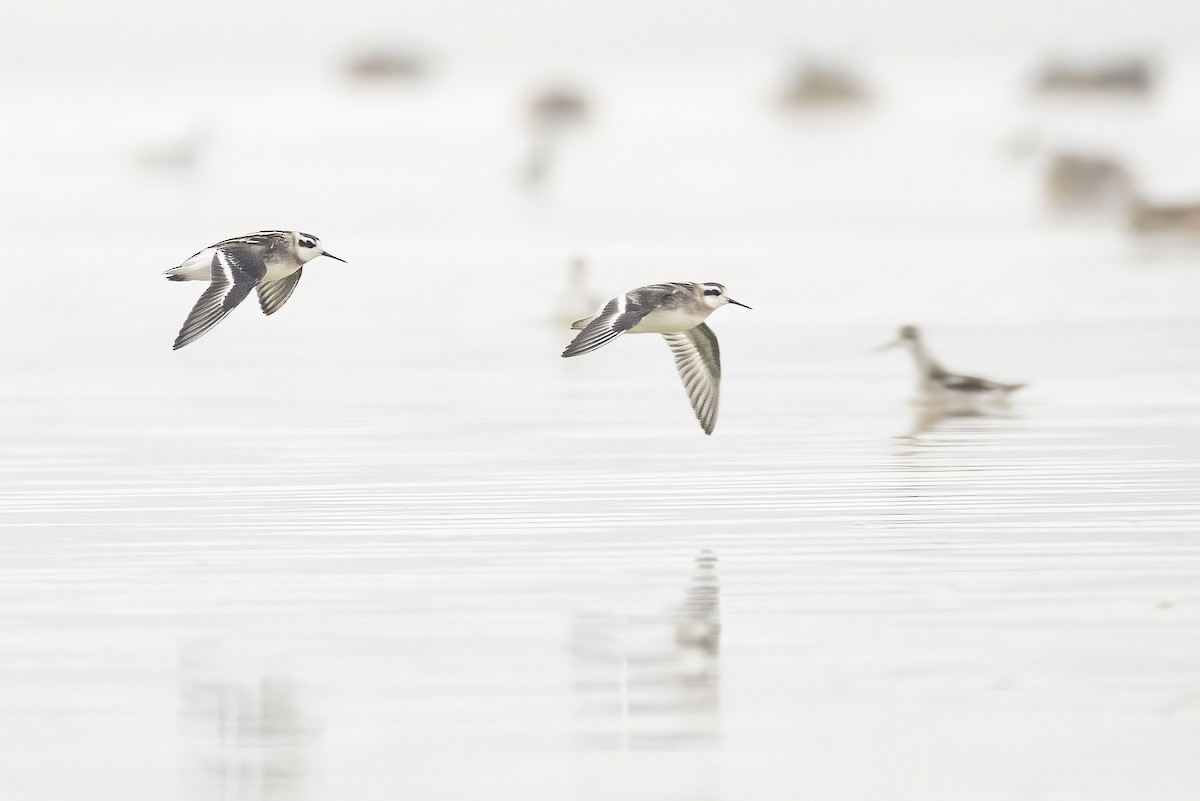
{"x":269,"y":261}
{"x":677,"y":311}
{"x":948,"y":392}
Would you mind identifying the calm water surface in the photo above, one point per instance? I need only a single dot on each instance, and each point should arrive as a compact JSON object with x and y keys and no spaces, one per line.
{"x":387,"y":544}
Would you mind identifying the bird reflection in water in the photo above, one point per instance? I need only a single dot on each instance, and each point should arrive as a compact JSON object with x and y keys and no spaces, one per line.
{"x":928,"y":419}
{"x":246,"y":733}
{"x":648,"y":689}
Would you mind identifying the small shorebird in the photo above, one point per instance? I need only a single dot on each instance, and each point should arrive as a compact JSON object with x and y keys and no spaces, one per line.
{"x":677,"y":311}
{"x":1075,"y":182}
{"x":1131,"y":77}
{"x":1169,"y":220}
{"x":180,"y":155}
{"x":559,"y":106}
{"x":938,"y":387}
{"x":386,"y":64}
{"x":553,"y":113}
{"x":817,"y":85}
{"x":269,"y":261}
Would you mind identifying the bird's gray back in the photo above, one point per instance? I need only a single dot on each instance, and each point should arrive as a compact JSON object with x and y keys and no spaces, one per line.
{"x":671,"y":295}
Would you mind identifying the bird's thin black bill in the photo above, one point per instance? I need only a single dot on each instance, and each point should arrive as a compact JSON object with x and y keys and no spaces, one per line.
{"x":737,"y":303}
{"x":339,"y":258}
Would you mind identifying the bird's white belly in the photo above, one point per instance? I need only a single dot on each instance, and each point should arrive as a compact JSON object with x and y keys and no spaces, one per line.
{"x":277,"y":270}
{"x":667,"y":321}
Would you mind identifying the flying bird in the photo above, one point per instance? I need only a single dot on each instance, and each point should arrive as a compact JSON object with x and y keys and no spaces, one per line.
{"x":268,"y":261}
{"x":677,"y":311}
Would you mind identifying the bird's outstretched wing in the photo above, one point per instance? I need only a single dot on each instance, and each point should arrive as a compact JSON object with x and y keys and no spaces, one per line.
{"x":618,"y":316}
{"x":235,"y":271}
{"x":273,"y":294}
{"x":698,"y":359}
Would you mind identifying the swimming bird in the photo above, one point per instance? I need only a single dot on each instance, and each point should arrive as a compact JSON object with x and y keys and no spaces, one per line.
{"x":1077,"y":182}
{"x":677,"y":311}
{"x":1180,"y":220}
{"x":938,"y":387}
{"x":559,"y":106}
{"x":553,"y":113}
{"x":269,"y":261}
{"x":1129,"y":77}
{"x":816,"y":85}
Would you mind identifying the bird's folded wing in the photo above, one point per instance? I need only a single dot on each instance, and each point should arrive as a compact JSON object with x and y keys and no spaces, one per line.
{"x":232,"y":281}
{"x":970,"y":383}
{"x":618,"y":316}
{"x":273,"y":294}
{"x":698,"y":359}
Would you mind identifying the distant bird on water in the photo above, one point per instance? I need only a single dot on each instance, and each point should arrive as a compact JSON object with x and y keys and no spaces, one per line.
{"x":1167,"y":220}
{"x":1129,"y":77}
{"x":815,"y":85}
{"x":677,"y":311}
{"x":1077,"y":182}
{"x":269,"y":261}
{"x":559,"y":106}
{"x":950,"y":392}
{"x":552,"y":114}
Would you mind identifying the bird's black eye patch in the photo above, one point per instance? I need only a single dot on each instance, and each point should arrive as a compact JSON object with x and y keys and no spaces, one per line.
{"x":712,"y":292}
{"x":305,"y":243}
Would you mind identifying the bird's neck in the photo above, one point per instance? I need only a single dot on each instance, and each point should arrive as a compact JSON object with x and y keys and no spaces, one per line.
{"x":927,"y":366}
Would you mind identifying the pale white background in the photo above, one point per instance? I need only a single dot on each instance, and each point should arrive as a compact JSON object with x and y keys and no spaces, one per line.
{"x":387,"y":544}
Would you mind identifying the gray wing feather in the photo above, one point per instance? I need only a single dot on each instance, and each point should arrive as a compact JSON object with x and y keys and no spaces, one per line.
{"x":273,"y":294}
{"x":970,"y":383}
{"x":698,"y":359}
{"x":618,"y":316}
{"x":234,"y":273}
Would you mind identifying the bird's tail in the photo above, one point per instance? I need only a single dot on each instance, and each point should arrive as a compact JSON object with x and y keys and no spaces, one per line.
{"x":197,"y":268}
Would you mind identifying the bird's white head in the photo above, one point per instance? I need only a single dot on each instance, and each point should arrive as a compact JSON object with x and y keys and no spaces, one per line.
{"x":308,"y":247}
{"x":715,"y":297}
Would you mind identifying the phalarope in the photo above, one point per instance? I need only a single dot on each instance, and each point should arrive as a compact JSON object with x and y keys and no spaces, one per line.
{"x":269,"y":261}
{"x":1076,"y":182}
{"x":677,"y":311}
{"x":1131,"y":77}
{"x":817,"y":85}
{"x":552,"y":113}
{"x":940,"y":388}
{"x":1168,"y":220}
